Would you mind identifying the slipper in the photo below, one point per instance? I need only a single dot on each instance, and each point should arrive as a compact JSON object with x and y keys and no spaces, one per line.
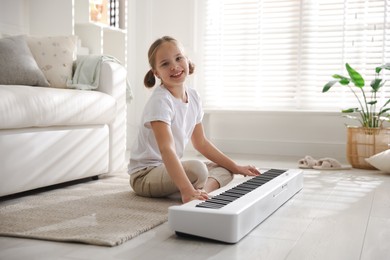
{"x":307,"y":163}
{"x":329,"y":164}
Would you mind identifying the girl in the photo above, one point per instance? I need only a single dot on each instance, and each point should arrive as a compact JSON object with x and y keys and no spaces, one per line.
{"x":172,"y":116}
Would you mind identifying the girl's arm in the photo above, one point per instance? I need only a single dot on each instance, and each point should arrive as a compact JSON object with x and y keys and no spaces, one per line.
{"x":208,"y":150}
{"x":165,"y":141}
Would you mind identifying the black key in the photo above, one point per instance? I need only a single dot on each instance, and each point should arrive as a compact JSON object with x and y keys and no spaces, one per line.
{"x":219,"y":201}
{"x":227,"y":198}
{"x":232,"y":193}
{"x":248,"y":185}
{"x":238,"y":193}
{"x":275,"y":172}
{"x":222,"y":199}
{"x":266,"y":178}
{"x":242,"y":188}
{"x":257,"y":182}
{"x":210,"y":205}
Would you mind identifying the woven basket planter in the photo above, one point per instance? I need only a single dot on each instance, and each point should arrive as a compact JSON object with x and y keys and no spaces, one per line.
{"x":365,"y":142}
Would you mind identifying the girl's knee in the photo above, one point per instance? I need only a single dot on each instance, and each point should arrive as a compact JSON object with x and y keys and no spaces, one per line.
{"x":220,"y":174}
{"x":197,"y":172}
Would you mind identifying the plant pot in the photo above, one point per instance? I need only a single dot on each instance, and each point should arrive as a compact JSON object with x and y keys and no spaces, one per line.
{"x":365,"y":142}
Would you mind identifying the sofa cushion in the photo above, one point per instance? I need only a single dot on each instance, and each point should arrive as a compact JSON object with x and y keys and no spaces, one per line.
{"x":24,"y":106}
{"x":54,"y":56}
{"x":17,"y":64}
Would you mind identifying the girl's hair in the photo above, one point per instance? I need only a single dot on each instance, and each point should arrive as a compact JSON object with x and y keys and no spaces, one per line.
{"x":150,"y":79}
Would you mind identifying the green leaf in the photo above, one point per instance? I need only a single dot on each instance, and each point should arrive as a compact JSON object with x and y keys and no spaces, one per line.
{"x":384,"y":66}
{"x":372,"y":102}
{"x":356,"y":78}
{"x":384,"y":111}
{"x":342,"y":80}
{"x":329,"y":85}
{"x":376,"y":84}
{"x":350,"y":110}
{"x":387,"y":102}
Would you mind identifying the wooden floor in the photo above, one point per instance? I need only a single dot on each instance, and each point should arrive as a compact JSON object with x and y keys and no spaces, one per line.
{"x":337,"y":215}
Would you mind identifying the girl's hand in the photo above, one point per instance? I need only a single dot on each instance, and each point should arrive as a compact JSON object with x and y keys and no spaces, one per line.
{"x":248,"y":170}
{"x":194,"y":195}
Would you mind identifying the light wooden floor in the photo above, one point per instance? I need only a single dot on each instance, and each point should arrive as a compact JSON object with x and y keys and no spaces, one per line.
{"x":337,"y":215}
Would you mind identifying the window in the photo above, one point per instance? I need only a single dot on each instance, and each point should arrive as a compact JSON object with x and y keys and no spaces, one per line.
{"x":278,"y":54}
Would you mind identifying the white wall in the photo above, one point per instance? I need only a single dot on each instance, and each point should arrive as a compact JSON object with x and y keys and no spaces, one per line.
{"x":24,"y":16}
{"x":14,"y":17}
{"x":320,"y":134}
{"x":43,"y":9}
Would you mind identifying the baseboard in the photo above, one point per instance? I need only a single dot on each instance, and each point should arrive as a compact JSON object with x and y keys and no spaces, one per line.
{"x":282,"y":148}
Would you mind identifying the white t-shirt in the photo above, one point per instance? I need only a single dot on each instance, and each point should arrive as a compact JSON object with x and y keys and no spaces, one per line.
{"x":181,"y":117}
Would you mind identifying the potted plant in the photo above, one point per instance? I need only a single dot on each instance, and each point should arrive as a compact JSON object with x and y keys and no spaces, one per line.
{"x":371,"y":136}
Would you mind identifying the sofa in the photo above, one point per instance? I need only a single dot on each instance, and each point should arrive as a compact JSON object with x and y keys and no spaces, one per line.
{"x":51,"y":132}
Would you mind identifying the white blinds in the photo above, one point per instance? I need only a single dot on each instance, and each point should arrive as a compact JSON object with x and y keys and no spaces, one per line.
{"x":278,"y":54}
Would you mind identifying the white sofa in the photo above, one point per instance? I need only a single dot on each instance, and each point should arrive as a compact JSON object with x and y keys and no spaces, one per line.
{"x":54,"y":135}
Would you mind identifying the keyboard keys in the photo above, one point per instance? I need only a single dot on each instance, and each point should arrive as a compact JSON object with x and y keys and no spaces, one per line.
{"x":240,"y":190}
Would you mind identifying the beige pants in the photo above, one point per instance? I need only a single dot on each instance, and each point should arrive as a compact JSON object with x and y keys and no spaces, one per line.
{"x":156,"y":182}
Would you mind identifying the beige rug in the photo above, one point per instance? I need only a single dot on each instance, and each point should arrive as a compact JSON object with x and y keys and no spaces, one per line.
{"x":104,"y":212}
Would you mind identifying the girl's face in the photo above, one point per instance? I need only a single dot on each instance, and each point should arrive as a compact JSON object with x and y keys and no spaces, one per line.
{"x":171,"y":66}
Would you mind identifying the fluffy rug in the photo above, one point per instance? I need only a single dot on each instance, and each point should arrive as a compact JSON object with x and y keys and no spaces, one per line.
{"x":104,"y":212}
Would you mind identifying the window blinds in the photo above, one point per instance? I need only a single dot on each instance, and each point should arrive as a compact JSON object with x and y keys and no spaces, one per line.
{"x":278,"y":54}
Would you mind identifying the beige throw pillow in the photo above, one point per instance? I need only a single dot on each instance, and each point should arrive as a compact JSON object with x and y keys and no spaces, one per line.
{"x":54,"y":56}
{"x":381,"y":161}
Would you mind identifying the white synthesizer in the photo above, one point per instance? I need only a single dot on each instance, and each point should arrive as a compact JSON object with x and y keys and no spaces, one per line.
{"x":232,"y":214}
